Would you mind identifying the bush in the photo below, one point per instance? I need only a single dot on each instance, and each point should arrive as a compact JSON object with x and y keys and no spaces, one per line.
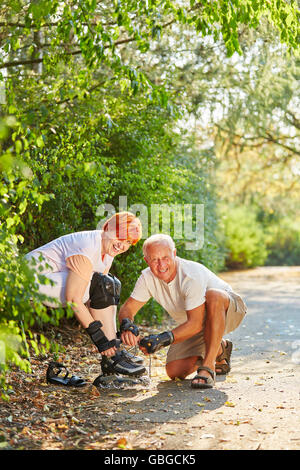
{"x":245,"y":240}
{"x":20,"y":302}
{"x":283,"y":243}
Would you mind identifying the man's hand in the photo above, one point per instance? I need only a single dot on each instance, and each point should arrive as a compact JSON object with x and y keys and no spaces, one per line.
{"x":130,"y":334}
{"x":152,"y":343}
{"x":129,"y":339}
{"x":127,"y":312}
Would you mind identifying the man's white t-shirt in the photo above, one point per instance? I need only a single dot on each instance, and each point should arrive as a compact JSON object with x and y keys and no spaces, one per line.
{"x":185,"y":292}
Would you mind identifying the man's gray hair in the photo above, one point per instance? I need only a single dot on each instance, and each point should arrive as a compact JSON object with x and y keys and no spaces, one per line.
{"x":158,"y":238}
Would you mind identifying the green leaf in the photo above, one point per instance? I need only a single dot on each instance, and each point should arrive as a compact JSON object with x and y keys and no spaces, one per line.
{"x":40,"y":142}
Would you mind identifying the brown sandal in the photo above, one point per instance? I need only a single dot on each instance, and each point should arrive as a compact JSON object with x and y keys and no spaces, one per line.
{"x":209,"y":381}
{"x":225,"y":355}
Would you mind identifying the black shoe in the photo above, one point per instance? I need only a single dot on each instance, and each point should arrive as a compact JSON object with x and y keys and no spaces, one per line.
{"x":132,"y":358}
{"x":121,"y":364}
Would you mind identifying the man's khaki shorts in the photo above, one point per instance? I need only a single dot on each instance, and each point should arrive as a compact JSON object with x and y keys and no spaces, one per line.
{"x":195,"y":346}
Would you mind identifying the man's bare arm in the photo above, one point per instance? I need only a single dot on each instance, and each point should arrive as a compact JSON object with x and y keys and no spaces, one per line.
{"x":130,"y":308}
{"x":192,"y":326}
{"x":189,"y":328}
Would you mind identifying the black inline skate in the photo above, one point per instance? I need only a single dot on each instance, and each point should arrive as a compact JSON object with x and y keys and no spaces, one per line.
{"x":120,"y":370}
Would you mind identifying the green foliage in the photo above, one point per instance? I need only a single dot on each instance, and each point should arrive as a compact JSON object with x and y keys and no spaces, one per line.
{"x":283,"y":243}
{"x":20,"y":302}
{"x":11,"y":342}
{"x":245,"y":240}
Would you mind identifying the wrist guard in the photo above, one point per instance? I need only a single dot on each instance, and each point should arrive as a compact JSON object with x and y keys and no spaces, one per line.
{"x":153,"y":343}
{"x":98,"y":337}
{"x":128,"y":325}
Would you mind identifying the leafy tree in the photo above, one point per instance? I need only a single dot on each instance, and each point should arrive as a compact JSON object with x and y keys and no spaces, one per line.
{"x":243,"y":116}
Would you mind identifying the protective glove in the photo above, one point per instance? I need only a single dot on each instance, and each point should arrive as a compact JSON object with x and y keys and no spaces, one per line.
{"x":153,"y":343}
{"x":128,"y":325}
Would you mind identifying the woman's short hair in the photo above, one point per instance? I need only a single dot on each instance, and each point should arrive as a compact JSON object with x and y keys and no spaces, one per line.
{"x":124,"y":226}
{"x":158,"y":238}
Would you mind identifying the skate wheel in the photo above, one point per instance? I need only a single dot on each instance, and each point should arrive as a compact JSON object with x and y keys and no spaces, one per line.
{"x":115,"y":381}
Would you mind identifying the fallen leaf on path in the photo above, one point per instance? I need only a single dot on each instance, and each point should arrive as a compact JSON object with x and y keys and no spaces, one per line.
{"x":25,"y":431}
{"x":62,"y":426}
{"x":94,"y":392}
{"x":122,"y":443}
{"x":230,"y":379}
{"x":229,"y":403}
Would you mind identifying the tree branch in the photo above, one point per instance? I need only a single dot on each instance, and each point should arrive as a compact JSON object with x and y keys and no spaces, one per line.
{"x":45,"y":25}
{"x":270,"y":138}
{"x":265,"y":139}
{"x":37,"y":61}
{"x":16,"y":63}
{"x":294,"y":120}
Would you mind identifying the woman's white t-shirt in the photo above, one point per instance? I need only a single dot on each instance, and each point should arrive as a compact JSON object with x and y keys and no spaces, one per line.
{"x":79,"y":251}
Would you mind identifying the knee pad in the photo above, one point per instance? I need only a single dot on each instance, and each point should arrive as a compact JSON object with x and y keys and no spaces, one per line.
{"x":105,"y":290}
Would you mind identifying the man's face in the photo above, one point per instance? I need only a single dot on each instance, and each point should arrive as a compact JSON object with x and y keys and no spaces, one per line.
{"x":162,"y":261}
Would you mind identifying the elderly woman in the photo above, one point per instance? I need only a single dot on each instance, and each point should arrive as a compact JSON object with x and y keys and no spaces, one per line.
{"x":78,"y":264}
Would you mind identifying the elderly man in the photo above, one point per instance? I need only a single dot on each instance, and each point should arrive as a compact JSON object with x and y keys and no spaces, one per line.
{"x":203,"y":306}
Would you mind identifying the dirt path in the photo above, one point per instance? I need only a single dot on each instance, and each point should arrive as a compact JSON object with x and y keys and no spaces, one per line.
{"x":255,"y":407}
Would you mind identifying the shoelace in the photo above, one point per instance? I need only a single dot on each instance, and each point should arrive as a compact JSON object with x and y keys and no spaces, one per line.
{"x":134,"y":348}
{"x":149,"y":368}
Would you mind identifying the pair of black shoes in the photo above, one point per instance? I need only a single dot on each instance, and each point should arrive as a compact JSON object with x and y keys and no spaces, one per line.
{"x":122,"y":363}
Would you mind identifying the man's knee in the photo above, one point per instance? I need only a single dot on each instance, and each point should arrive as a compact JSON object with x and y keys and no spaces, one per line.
{"x":181,"y":368}
{"x":218,"y":298}
{"x":174,"y":372}
{"x":104,"y":291}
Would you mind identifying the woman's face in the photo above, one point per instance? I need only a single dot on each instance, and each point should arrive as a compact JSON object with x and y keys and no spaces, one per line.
{"x":113,"y":246}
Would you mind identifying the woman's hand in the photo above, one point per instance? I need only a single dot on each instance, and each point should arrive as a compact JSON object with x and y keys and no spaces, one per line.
{"x":109,"y":352}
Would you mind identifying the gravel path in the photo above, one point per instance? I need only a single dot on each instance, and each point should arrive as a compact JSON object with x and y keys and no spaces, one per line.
{"x":255,"y":407}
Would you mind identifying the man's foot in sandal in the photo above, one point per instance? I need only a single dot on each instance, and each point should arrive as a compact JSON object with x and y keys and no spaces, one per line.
{"x":205,"y":378}
{"x":223,"y":359}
